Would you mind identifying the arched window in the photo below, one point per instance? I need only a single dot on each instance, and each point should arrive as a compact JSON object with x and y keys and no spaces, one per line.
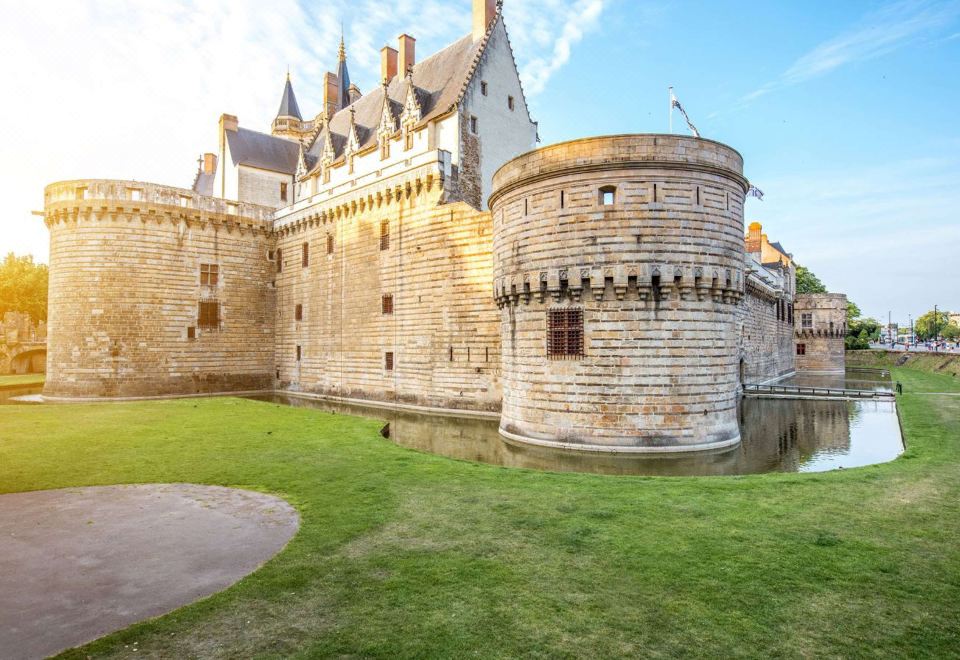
{"x":607,"y":195}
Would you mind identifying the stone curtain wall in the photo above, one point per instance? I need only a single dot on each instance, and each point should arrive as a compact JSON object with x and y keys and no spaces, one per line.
{"x":767,"y":346}
{"x":437,"y":269}
{"x":823,"y":343}
{"x":125,"y":286}
{"x":658,"y":275}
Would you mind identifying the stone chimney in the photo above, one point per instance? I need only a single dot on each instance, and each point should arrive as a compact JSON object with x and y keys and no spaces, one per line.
{"x":754,"y":234}
{"x":228,"y":123}
{"x":209,"y":163}
{"x":484,"y":11}
{"x":331,"y":93}
{"x":388,"y":64}
{"x":407,"y":53}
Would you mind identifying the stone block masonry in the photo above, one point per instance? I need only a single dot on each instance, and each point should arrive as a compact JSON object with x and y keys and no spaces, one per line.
{"x":821,"y":326}
{"x":640,"y":237}
{"x":125,"y":289}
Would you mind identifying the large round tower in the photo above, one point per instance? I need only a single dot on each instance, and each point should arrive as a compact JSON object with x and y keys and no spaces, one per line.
{"x":618,"y":267}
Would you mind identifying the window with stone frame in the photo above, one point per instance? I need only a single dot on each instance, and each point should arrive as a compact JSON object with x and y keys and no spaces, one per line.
{"x":329,"y":243}
{"x":279,"y":260}
{"x":565,"y":333}
{"x":384,"y":235}
{"x":283,"y":191}
{"x":607,"y":195}
{"x":388,"y":360}
{"x":473,"y":124}
{"x":806,"y":321}
{"x":384,"y":148}
{"x":408,"y":140}
{"x":483,"y":87}
{"x":386,"y":303}
{"x":305,"y":255}
{"x":298,"y":312}
{"x":209,"y":274}
{"x":326,"y":175}
{"x":208,"y":314}
{"x":801,"y":349}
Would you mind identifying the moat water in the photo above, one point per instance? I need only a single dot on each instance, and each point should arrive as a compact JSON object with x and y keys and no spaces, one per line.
{"x":778,"y":435}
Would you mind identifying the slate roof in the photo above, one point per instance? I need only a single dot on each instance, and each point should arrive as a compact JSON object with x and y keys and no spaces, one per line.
{"x":439,"y":82}
{"x":263,"y":151}
{"x":288,"y":103}
{"x":203,"y":184}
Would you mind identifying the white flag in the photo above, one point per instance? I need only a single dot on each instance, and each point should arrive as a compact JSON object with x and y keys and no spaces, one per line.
{"x":675,"y":103}
{"x":755,"y":192}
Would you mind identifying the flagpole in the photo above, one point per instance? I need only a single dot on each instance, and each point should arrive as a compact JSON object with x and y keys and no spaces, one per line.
{"x":670,"y":101}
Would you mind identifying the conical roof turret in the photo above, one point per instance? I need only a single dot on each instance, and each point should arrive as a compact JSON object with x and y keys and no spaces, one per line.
{"x":288,"y":102}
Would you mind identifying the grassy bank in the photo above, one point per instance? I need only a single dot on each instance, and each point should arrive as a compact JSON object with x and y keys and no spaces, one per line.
{"x":19,"y":380}
{"x":936,"y":363}
{"x":403,"y":554}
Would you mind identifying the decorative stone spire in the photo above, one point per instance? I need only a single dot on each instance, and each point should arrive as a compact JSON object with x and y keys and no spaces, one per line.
{"x":343,"y":77}
{"x":288,"y":102}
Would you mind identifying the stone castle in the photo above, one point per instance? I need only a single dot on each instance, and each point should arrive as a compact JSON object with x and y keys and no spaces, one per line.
{"x":408,"y":246}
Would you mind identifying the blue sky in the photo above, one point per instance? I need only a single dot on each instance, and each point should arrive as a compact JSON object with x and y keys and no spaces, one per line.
{"x":846,"y":112}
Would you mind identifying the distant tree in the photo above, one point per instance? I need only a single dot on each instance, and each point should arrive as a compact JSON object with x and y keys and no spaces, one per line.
{"x":927,"y":327}
{"x":853,"y":312}
{"x":950,"y":332}
{"x":860,"y":331}
{"x":23,"y":286}
{"x":807,"y":282}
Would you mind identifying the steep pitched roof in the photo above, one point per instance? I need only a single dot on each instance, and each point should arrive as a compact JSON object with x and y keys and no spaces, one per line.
{"x":288,"y":102}
{"x":438,"y":81}
{"x":263,"y":151}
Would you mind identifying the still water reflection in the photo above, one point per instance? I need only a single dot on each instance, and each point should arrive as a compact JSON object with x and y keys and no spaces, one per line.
{"x":779,"y":435}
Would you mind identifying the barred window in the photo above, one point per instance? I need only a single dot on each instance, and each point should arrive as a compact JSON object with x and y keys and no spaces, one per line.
{"x":386,"y":303}
{"x":565,"y":333}
{"x":388,"y":360}
{"x":209,"y":274}
{"x":208,"y":314}
{"x":385,"y":235}
{"x":801,"y":349}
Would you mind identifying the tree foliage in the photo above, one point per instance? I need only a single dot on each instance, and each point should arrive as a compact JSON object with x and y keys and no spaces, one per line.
{"x":23,"y":286}
{"x":860,"y":331}
{"x":807,"y":282}
{"x":928,"y":326}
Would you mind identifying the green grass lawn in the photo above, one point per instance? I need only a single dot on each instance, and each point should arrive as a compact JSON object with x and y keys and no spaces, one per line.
{"x":403,"y":554}
{"x":16,"y":380}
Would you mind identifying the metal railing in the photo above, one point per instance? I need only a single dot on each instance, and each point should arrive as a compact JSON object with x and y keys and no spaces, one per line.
{"x":819,"y":392}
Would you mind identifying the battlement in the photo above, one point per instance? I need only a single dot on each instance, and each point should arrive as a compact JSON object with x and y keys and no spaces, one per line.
{"x":138,"y":198}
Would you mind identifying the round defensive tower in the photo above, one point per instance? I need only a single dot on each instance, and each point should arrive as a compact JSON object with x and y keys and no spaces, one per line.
{"x":618,"y":266}
{"x":155,"y":291}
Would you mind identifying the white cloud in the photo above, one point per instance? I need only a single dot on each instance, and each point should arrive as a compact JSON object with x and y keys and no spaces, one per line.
{"x":133,"y":89}
{"x":887,"y":233}
{"x":887,"y":29}
{"x":538,"y":23}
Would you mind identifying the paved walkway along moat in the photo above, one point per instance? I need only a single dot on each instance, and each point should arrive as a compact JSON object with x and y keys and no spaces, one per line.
{"x":78,"y":563}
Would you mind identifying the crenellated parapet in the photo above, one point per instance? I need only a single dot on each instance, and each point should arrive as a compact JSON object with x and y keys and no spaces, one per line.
{"x":92,"y":200}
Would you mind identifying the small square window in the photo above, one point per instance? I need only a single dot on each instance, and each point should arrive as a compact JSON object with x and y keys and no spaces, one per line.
{"x":565,"y":333}
{"x":208,"y":314}
{"x":801,"y":349}
{"x":386,"y":303}
{"x":608,"y":195}
{"x":209,"y":274}
{"x":298,"y":312}
{"x":388,"y":360}
{"x":483,"y":87}
{"x":384,"y":235}
{"x":510,"y":102}
{"x":191,"y":332}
